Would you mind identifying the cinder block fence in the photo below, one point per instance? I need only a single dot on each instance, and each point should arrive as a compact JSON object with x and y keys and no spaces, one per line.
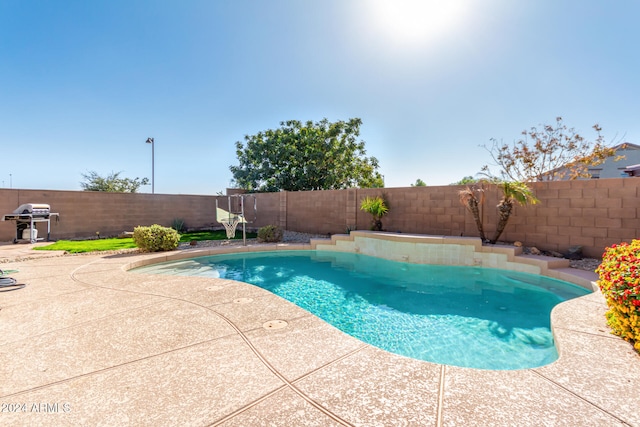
{"x":590,"y":213}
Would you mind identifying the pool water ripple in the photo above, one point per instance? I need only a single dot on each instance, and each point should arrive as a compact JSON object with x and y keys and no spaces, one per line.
{"x":462,"y":316}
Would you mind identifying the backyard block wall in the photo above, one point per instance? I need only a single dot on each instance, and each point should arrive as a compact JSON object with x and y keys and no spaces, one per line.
{"x":83,"y":213}
{"x":590,"y":213}
{"x":320,"y":212}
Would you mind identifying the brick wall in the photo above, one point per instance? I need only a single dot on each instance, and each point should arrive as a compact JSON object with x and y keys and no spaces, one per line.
{"x":590,"y":213}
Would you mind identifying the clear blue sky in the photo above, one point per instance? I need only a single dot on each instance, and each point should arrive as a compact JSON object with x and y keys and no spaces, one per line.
{"x":83,"y":84}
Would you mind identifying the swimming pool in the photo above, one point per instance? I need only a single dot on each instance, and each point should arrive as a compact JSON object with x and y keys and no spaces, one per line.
{"x":463,"y":316}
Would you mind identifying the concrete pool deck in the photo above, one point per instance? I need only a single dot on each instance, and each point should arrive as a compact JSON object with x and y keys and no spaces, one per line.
{"x":88,"y":343}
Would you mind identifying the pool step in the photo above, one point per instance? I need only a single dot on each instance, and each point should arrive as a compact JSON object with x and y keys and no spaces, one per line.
{"x":543,"y":261}
{"x":496,"y":256}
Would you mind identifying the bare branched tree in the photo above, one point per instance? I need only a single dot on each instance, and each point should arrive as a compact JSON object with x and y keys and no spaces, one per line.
{"x":551,"y":152}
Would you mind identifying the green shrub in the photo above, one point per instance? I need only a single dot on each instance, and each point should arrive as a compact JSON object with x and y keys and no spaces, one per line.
{"x":155,"y":238}
{"x":270,"y":234}
{"x":620,"y":284}
{"x":179,"y":225}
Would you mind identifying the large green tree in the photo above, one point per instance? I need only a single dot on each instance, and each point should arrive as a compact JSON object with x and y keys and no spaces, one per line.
{"x":306,"y":156}
{"x":111,"y":183}
{"x":467,"y":180}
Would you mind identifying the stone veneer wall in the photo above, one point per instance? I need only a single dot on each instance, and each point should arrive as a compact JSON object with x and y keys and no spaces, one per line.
{"x":590,"y":213}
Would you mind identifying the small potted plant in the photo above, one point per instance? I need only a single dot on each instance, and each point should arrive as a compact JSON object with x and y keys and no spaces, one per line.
{"x":377,"y":207}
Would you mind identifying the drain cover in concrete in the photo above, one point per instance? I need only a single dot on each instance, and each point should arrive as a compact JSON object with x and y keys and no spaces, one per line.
{"x":275,"y":324}
{"x":242,"y":300}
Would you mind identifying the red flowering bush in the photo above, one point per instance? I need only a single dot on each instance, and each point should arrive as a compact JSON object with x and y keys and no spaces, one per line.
{"x":620,"y":284}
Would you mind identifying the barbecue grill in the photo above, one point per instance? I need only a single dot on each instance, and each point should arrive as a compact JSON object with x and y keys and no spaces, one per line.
{"x":26,"y":217}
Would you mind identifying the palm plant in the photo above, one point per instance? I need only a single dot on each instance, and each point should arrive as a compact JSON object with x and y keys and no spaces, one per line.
{"x":512,"y":192}
{"x":377,"y":207}
{"x":473,"y":200}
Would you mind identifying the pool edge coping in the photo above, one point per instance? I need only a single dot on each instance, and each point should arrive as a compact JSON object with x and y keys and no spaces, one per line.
{"x":512,"y":254}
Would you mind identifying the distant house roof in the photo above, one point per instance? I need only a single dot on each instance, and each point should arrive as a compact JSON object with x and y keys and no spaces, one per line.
{"x":633,"y":170}
{"x":626,"y":146}
{"x":609,"y":170}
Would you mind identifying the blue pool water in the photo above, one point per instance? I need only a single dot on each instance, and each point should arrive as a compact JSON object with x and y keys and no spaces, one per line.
{"x":463,"y":316}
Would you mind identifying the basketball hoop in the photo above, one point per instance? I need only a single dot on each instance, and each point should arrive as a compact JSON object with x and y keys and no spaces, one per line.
{"x":230,"y":225}
{"x":235,"y":214}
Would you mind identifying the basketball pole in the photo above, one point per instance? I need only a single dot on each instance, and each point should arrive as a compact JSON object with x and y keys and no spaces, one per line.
{"x":244,"y":223}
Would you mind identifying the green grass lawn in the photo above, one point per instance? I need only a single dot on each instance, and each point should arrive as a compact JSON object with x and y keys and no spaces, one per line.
{"x":80,"y":246}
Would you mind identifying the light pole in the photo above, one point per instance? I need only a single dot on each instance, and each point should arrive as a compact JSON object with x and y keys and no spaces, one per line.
{"x":150,"y":141}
